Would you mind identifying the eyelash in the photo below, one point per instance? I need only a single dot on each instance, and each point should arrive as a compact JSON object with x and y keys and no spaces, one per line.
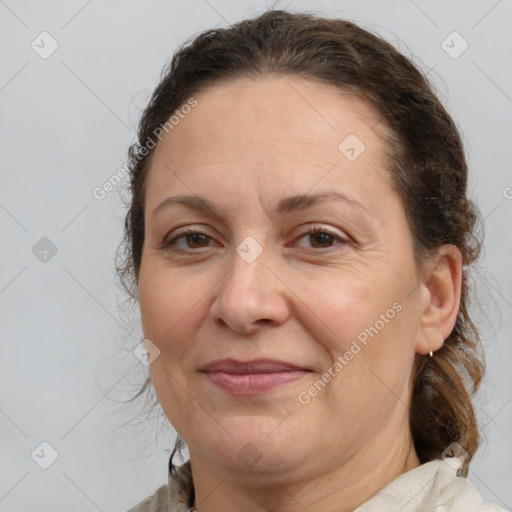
{"x":167,"y":244}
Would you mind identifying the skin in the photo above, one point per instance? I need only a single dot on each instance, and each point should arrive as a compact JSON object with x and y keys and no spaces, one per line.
{"x":245,"y":146}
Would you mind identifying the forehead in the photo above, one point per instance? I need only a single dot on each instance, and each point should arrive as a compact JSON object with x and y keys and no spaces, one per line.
{"x":245,"y":109}
{"x":270,"y":132}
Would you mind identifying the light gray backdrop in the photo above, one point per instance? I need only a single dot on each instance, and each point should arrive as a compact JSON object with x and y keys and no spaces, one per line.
{"x":68,"y":114}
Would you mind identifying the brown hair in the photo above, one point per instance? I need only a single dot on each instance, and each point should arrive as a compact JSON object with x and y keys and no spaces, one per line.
{"x":427,"y":166}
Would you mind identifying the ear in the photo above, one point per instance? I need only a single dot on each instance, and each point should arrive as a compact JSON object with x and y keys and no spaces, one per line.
{"x":440,"y":299}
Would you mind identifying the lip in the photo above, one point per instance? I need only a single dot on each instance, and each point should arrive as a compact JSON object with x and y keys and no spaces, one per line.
{"x":254,"y":377}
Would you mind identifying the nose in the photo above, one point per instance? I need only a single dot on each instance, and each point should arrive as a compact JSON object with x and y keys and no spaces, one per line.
{"x":251,"y":295}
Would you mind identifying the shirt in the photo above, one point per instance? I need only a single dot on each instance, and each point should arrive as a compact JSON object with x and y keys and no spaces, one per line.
{"x":433,"y":486}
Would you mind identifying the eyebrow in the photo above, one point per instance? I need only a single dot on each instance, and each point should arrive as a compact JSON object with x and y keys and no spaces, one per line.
{"x":286,"y":205}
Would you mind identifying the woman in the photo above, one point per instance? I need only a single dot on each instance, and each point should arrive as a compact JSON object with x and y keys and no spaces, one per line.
{"x":298,"y":239}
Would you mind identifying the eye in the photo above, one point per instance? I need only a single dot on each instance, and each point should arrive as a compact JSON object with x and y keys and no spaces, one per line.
{"x":321,"y":238}
{"x":193,"y":239}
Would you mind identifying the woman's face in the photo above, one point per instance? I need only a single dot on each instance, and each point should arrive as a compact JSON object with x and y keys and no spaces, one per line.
{"x":328,"y":322}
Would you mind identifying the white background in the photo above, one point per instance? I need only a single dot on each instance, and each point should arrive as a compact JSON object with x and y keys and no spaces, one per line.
{"x":66,"y":123}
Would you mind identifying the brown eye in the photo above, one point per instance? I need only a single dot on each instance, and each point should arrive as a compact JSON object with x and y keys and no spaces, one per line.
{"x":194,"y":239}
{"x":320,"y":238}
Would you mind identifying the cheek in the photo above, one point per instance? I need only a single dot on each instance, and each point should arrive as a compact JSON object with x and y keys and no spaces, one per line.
{"x":369,"y":330}
{"x":168,"y":304}
{"x":170,"y":308}
{"x":377,"y":360}
{"x":349,"y":308}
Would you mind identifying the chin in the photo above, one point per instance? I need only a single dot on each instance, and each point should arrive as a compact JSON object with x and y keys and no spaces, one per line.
{"x":252,"y":445}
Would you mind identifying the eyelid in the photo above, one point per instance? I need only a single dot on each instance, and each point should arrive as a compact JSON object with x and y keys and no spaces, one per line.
{"x":183,"y":232}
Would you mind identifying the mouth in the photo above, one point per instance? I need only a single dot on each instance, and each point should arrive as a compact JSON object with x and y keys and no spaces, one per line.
{"x":255,"y":377}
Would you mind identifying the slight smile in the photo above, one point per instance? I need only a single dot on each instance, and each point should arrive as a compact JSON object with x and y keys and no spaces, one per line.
{"x":255,"y":377}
